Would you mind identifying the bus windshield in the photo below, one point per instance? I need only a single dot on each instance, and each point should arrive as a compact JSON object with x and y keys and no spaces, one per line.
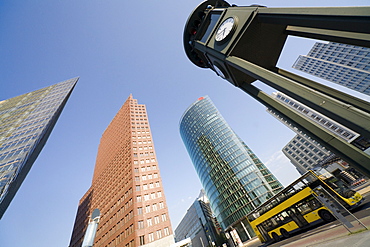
{"x":336,"y":184}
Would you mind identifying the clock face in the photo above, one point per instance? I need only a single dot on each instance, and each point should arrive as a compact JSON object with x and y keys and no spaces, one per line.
{"x":226,"y":27}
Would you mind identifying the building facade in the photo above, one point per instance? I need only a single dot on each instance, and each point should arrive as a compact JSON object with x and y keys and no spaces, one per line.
{"x":126,"y":186}
{"x":305,"y":153}
{"x":199,"y":225}
{"x":347,"y":65}
{"x":234,"y":179}
{"x":26,"y":122}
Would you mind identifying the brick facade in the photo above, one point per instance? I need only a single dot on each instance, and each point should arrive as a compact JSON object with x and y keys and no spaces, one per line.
{"x":126,"y":186}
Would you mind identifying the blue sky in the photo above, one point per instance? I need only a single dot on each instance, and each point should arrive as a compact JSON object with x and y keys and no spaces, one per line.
{"x":118,"y":48}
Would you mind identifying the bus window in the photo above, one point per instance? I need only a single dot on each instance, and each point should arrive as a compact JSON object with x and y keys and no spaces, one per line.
{"x":308,"y":205}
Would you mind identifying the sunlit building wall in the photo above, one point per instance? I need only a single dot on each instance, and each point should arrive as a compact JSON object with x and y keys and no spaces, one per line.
{"x":26,"y":122}
{"x":199,"y":225}
{"x":234,"y":179}
{"x":346,"y":65}
{"x":126,"y":186}
{"x":304,"y":152}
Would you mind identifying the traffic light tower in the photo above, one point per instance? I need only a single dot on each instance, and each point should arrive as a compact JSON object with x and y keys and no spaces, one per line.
{"x":243,"y":44}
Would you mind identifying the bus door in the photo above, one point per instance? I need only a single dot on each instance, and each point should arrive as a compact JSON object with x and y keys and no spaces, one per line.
{"x":297,"y":217}
{"x":263,"y":232}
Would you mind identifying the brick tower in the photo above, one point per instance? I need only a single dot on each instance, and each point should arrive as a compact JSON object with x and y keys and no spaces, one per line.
{"x":126,"y":186}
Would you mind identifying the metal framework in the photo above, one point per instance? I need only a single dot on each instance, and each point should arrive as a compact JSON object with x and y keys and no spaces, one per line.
{"x":251,"y":51}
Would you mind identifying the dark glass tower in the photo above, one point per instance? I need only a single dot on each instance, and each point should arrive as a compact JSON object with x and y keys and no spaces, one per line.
{"x":26,"y":122}
{"x":234,"y":179}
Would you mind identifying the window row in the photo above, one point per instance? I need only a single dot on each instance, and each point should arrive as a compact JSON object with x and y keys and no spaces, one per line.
{"x":151,"y":185}
{"x":147,"y":197}
{"x":153,"y":236}
{"x":142,"y":148}
{"x":141,"y":142}
{"x":151,"y":221}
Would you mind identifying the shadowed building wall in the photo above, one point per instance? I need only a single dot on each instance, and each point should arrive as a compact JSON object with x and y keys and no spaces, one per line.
{"x":26,"y":122}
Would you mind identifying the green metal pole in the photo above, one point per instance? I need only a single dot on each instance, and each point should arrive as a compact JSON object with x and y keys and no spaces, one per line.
{"x":339,"y":111}
{"x":354,"y":156}
{"x":349,"y":99}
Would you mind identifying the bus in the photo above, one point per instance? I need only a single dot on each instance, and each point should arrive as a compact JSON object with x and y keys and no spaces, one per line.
{"x":296,"y":207}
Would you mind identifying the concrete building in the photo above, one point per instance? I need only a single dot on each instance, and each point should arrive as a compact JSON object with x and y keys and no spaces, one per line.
{"x":200,"y":225}
{"x":26,"y":122}
{"x":234,"y":179}
{"x":126,"y":186}
{"x":347,"y":65}
{"x":307,"y":154}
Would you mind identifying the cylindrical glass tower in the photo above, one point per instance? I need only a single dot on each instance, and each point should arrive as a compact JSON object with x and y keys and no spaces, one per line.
{"x":234,"y":179}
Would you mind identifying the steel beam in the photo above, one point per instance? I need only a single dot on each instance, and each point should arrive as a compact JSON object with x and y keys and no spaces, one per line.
{"x":354,"y":156}
{"x":349,"y":99}
{"x":339,"y":111}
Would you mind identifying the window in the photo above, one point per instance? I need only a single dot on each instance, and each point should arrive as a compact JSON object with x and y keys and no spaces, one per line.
{"x":147,"y":209}
{"x":139,"y":211}
{"x":155,"y":208}
{"x":149,"y":222}
{"x":166,"y":231}
{"x":151,"y":237}
{"x":140,"y":224}
{"x":159,"y":234}
{"x":142,"y":240}
{"x":156,"y":219}
{"x":164,"y":217}
{"x":161,"y":205}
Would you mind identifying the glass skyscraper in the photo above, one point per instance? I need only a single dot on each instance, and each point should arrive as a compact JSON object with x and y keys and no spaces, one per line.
{"x":347,"y":65}
{"x":26,"y":122}
{"x":234,"y":179}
